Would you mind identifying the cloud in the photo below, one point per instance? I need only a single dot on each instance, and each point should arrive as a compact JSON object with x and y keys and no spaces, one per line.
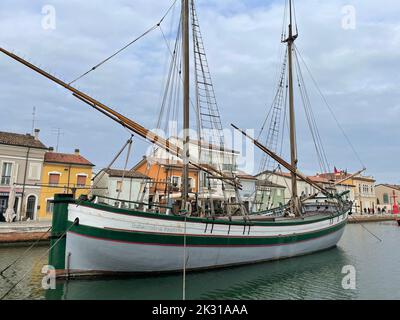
{"x":357,"y":70}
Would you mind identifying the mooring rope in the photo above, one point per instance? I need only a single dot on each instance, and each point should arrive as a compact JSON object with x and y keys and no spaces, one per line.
{"x":40,"y":257}
{"x":26,"y":251}
{"x":362,"y":225}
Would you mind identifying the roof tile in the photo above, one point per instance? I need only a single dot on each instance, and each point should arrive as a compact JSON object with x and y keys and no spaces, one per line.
{"x":66,"y":158}
{"x":126,"y":173}
{"x":23,"y":140}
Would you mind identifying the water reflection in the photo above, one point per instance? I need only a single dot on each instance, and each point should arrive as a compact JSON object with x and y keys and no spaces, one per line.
{"x":309,"y":277}
{"x":316,"y":276}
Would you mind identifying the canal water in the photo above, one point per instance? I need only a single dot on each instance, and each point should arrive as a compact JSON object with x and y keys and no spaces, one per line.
{"x":316,"y":276}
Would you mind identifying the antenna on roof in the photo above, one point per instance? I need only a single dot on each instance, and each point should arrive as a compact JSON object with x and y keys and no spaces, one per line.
{"x":58,"y":132}
{"x":33,"y":119}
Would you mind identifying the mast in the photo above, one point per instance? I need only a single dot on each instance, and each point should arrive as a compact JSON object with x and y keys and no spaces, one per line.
{"x":186,"y":79}
{"x":293,"y":146}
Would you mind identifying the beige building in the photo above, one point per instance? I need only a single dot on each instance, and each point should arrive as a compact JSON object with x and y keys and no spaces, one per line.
{"x":303,"y":188}
{"x":21,"y":162}
{"x":364,"y":194}
{"x":385,"y":195}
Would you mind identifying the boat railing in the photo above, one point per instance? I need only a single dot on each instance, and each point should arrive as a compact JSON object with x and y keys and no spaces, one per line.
{"x":121,"y":202}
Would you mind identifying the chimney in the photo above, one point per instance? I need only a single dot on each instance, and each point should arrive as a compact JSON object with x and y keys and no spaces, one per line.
{"x":51,"y":149}
{"x":77,"y":152}
{"x":37,"y":134}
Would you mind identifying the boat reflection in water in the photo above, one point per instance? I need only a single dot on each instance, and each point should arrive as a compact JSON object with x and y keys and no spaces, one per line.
{"x":316,"y":276}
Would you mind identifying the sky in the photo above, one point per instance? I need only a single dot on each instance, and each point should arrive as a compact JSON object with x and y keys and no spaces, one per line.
{"x":353,"y":55}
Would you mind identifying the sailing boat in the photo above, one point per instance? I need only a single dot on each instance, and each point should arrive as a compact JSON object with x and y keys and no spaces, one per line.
{"x":91,"y":238}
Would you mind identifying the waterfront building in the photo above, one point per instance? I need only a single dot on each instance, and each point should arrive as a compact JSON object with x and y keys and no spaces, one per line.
{"x":63,"y":173}
{"x":282,"y":181}
{"x":21,"y":162}
{"x":364,"y":194}
{"x":364,"y":198}
{"x":114,"y":186}
{"x":327,"y":179}
{"x":386,"y":195}
{"x":248,"y":191}
{"x":269,"y":195}
{"x":259,"y":194}
{"x":163,"y":178}
{"x":166,"y":170}
{"x":219,"y":157}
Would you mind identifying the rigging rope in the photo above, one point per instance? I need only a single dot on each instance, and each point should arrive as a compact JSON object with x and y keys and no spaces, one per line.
{"x":103,"y":172}
{"x":318,"y":144}
{"x":272,"y":139}
{"x":330,"y":109}
{"x":125,"y":166}
{"x":126,"y":46}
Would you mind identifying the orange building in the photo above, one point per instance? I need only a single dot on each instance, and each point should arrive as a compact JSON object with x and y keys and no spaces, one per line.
{"x":166,"y":178}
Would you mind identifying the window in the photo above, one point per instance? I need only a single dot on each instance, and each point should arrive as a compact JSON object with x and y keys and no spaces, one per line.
{"x":34,"y":171}
{"x":119,"y":186}
{"x":175,"y":181}
{"x":385,"y":198}
{"x":54,"y":179}
{"x":81,"y":181}
{"x":190,"y":182}
{"x":205,"y":180}
{"x":6,"y":173}
{"x":49,"y":206}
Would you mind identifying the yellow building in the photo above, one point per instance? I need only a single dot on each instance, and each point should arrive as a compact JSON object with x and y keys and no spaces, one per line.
{"x":63,"y":173}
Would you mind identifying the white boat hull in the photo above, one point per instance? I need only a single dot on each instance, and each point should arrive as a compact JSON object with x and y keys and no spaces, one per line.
{"x":103,"y":256}
{"x":109,"y":240}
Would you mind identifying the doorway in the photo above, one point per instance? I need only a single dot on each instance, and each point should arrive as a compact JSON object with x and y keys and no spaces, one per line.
{"x":30,"y":207}
{"x":3,"y":207}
